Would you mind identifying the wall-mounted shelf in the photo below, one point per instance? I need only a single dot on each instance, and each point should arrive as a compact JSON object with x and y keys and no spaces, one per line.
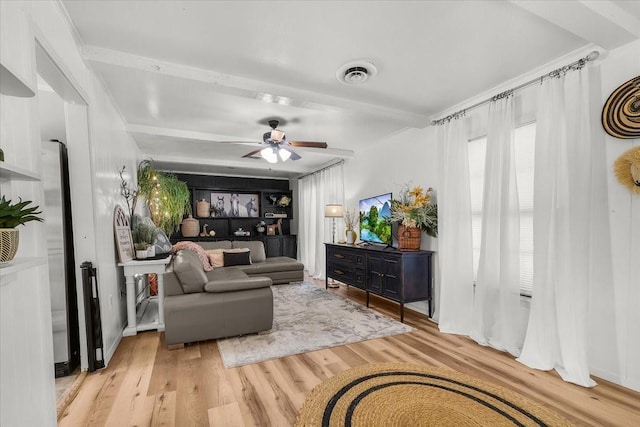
{"x":20,"y":264}
{"x":12,"y":85}
{"x":9,"y":171}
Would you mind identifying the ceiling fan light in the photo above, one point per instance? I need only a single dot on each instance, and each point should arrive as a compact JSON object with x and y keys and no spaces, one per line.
{"x":284,"y":154}
{"x":277,"y":135}
{"x":269,"y":154}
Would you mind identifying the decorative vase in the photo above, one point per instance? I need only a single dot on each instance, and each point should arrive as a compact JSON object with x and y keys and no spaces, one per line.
{"x":141,"y":254}
{"x":351,"y":236}
{"x":151,"y":251}
{"x":190,"y":227}
{"x":409,"y":238}
{"x":9,"y":239}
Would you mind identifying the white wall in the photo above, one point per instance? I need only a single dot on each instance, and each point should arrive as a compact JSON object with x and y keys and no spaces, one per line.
{"x":614,"y":313}
{"x":410,"y":156}
{"x":96,"y":155}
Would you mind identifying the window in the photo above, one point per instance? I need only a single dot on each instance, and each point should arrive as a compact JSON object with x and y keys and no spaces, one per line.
{"x":524,"y":153}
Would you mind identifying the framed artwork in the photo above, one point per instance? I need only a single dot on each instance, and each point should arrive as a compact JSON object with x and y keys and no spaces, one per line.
{"x":124,"y":243}
{"x":232,"y":205}
{"x":271,"y":229}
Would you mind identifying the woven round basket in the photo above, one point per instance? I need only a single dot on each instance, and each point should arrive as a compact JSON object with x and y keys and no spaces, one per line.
{"x":9,"y":239}
{"x":190,"y":227}
{"x":409,"y":238}
{"x":403,"y":394}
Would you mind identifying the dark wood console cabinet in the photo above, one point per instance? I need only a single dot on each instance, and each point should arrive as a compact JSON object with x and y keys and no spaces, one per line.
{"x":398,"y":276}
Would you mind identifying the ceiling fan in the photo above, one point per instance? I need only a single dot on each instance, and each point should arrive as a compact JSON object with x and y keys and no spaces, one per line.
{"x":275,"y":146}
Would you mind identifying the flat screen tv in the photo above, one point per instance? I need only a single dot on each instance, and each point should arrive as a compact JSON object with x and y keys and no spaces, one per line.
{"x":375,"y":224}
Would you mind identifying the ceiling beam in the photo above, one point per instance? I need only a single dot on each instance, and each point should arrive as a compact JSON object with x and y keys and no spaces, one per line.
{"x":291,"y":167}
{"x":600,"y":22}
{"x":249,"y":88}
{"x":220,"y":139}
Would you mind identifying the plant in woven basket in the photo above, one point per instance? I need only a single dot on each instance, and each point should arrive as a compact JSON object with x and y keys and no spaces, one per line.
{"x":168,"y":198}
{"x":415,"y":209}
{"x":11,"y":216}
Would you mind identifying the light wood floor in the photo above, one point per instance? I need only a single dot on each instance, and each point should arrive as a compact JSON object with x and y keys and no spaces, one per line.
{"x":148,"y":385}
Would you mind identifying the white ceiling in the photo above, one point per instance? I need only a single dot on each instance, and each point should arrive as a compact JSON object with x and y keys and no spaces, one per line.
{"x":187,"y":75}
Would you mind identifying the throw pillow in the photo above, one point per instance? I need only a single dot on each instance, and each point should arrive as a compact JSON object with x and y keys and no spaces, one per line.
{"x":216,"y":258}
{"x":234,"y":257}
{"x":194,"y":247}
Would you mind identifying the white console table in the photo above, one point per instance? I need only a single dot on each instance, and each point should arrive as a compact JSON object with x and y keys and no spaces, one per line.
{"x":132,"y":268}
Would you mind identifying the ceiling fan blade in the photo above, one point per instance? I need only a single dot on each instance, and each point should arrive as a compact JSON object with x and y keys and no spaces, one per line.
{"x":308,"y":144}
{"x":252,"y":153}
{"x":294,"y":155}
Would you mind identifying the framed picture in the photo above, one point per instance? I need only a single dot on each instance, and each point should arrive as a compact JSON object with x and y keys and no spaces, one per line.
{"x":124,"y":243}
{"x":232,"y":205}
{"x":271,"y":229}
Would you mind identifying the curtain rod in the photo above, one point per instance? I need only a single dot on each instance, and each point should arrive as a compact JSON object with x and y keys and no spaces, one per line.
{"x":576,"y":65}
{"x":322,"y":169}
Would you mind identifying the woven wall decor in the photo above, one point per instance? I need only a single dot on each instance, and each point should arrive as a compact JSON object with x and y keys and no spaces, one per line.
{"x":627,"y":169}
{"x":621,"y":112}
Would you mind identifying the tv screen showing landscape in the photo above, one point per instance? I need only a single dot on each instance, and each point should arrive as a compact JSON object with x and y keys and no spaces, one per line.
{"x":375,"y":213}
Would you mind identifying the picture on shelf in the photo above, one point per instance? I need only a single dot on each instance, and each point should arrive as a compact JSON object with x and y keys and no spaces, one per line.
{"x":231,"y":205}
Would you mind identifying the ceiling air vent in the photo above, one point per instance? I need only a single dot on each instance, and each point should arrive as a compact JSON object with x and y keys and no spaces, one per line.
{"x":356,"y":72}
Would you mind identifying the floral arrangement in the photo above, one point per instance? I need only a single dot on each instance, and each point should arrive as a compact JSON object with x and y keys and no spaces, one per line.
{"x":350,"y":219}
{"x":414,"y":209}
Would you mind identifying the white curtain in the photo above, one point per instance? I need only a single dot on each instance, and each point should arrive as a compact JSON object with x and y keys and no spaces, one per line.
{"x":455,"y":249}
{"x":564,"y":215}
{"x":314,"y":192}
{"x":497,"y":293}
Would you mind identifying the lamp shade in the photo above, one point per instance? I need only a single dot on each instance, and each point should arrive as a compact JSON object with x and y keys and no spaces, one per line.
{"x":333,"y":211}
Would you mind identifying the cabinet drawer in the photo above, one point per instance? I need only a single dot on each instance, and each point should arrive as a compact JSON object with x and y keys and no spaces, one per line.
{"x":341,"y":273}
{"x":343,"y":257}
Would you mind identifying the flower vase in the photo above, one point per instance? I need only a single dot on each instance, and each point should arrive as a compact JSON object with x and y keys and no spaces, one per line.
{"x":351,"y":236}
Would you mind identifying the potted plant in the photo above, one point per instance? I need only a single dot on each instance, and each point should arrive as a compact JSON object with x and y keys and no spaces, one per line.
{"x":168,"y":198}
{"x":12,"y":215}
{"x":415,"y":212}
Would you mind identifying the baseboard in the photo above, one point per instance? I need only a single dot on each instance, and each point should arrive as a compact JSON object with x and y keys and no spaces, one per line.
{"x":617,"y":379}
{"x":112,"y":349}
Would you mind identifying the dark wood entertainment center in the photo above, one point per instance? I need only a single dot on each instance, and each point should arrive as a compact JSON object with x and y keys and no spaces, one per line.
{"x":267,"y":190}
{"x":399,"y":276}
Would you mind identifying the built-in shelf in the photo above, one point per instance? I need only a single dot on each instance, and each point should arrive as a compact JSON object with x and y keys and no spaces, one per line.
{"x":20,"y":264}
{"x":12,"y":85}
{"x":9,"y":171}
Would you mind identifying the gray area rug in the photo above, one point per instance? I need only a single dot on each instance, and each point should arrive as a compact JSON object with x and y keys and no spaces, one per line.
{"x":308,"y":318}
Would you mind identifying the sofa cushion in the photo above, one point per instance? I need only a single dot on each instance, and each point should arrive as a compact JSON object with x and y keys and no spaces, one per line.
{"x":237,"y":284}
{"x":239,"y":257}
{"x":216,"y":259}
{"x":272,"y":265}
{"x":188,"y":268}
{"x":255,"y":246}
{"x":220,"y":244}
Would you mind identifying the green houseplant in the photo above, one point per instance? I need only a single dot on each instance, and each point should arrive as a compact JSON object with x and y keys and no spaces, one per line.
{"x":168,"y":198}
{"x":11,"y":216}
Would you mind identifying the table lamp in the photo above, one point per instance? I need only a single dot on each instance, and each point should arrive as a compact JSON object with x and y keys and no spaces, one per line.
{"x":333,"y":212}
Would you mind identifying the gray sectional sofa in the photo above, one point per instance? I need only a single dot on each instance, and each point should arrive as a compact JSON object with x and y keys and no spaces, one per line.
{"x":228,"y":301}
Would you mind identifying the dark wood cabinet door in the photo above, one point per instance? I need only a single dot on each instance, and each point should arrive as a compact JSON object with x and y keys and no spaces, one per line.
{"x":375,"y":273}
{"x":273,"y":247}
{"x":392,"y":285}
{"x":290,"y":246}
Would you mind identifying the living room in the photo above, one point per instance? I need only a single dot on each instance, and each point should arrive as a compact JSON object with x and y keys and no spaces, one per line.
{"x":105,"y":137}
